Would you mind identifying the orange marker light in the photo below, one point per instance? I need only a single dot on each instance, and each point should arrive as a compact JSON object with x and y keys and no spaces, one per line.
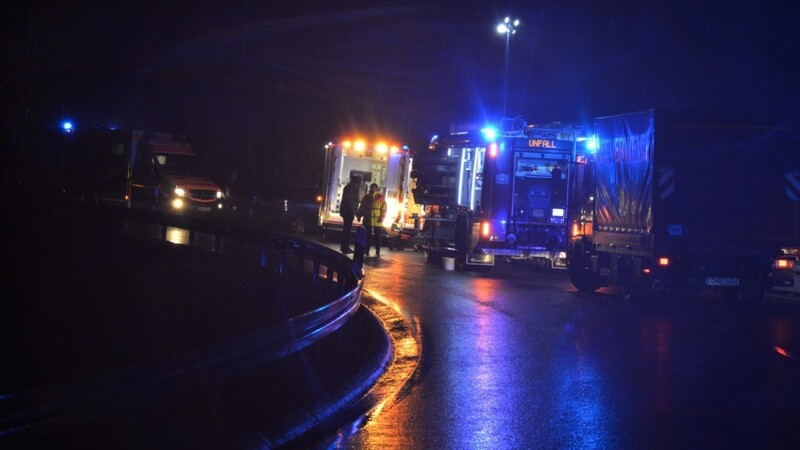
{"x":663,"y":262}
{"x":485,"y":229}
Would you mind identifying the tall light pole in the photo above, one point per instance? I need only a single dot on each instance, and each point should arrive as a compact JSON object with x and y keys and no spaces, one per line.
{"x":508,"y":28}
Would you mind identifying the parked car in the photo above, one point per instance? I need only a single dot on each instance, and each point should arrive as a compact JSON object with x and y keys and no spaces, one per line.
{"x":295,"y":210}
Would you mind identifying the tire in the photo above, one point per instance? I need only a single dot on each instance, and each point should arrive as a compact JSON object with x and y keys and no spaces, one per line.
{"x":297,"y":225}
{"x":580,"y":277}
{"x":631,"y":291}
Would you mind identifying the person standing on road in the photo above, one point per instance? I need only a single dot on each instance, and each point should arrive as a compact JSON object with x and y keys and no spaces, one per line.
{"x":347,"y":210}
{"x":373,"y":208}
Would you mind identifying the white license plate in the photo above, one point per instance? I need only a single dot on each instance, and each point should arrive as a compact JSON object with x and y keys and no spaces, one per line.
{"x":717,"y":281}
{"x":204,"y":208}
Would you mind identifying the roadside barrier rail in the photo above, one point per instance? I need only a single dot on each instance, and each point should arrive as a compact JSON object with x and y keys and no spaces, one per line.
{"x":332,"y":280}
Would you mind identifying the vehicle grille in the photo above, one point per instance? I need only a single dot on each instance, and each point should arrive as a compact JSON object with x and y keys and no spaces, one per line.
{"x":202,"y":194}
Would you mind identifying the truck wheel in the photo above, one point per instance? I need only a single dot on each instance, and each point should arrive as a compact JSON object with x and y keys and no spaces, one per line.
{"x":580,"y":277}
{"x":297,"y":225}
{"x":630,"y":290}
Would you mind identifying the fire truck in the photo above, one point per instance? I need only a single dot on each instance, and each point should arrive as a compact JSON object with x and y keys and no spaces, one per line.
{"x":381,"y":162}
{"x":534,"y":192}
{"x":137,"y":169}
{"x":448,"y":178}
{"x":507,"y":191}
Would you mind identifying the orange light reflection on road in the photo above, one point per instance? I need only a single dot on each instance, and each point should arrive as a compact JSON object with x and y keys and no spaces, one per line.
{"x":656,"y":338}
{"x":177,"y":235}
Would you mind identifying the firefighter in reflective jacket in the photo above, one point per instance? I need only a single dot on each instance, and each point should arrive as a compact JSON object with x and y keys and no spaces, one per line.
{"x":373,"y":207}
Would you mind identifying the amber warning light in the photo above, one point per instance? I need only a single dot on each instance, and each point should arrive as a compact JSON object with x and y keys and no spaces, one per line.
{"x":663,"y":262}
{"x":485,"y":229}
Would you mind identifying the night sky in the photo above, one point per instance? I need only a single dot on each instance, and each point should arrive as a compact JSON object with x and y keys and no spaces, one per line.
{"x":261,"y":86}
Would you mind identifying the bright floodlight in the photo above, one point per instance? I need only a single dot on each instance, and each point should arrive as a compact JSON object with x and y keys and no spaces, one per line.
{"x":66,"y":126}
{"x":507,"y":26}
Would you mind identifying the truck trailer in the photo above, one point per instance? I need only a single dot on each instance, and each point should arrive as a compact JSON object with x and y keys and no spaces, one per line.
{"x":137,"y":169}
{"x":687,"y":201}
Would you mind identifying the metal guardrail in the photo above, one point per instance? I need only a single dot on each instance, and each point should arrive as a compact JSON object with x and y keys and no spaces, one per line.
{"x":323,"y":272}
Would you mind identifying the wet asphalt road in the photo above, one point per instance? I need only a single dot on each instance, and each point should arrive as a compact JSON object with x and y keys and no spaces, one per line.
{"x":519,"y":359}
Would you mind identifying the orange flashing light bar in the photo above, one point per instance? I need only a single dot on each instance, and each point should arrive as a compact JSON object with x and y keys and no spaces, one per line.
{"x":361,"y":145}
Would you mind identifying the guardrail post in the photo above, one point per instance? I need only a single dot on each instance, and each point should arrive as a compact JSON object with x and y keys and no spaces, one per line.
{"x":358,"y":254}
{"x":282,"y":262}
{"x":315,"y":272}
{"x":301,"y":258}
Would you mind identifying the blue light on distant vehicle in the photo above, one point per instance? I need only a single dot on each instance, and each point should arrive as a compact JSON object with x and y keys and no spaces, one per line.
{"x":489,"y":133}
{"x":67,"y":126}
{"x":591,"y":144}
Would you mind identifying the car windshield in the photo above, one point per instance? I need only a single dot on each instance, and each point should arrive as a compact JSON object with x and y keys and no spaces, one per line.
{"x":180,"y":165}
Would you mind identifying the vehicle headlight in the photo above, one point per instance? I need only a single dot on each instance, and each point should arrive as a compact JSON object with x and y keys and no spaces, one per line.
{"x":219,"y":193}
{"x":177,"y":203}
{"x":180,"y":192}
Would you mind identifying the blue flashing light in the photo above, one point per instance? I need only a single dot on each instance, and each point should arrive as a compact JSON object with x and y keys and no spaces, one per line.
{"x":489,"y":133}
{"x":591,"y":144}
{"x":67,"y":126}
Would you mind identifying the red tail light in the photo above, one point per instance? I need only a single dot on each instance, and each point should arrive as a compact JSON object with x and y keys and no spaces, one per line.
{"x":493,"y":150}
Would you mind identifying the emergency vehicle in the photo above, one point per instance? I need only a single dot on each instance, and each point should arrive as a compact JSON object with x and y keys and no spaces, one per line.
{"x":137,"y":169}
{"x":448,"y":179}
{"x":534,"y":191}
{"x":502,"y":191}
{"x":381,"y":162}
